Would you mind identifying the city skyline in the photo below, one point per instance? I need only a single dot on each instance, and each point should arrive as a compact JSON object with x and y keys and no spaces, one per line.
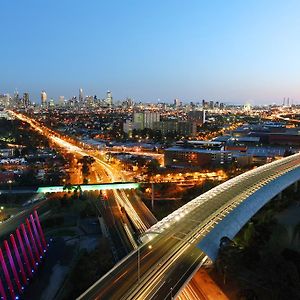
{"x":150,"y":149}
{"x":233,"y":52}
{"x":286,"y":100}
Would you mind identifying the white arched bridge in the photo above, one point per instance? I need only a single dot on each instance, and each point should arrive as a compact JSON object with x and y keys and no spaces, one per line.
{"x":173,"y":249}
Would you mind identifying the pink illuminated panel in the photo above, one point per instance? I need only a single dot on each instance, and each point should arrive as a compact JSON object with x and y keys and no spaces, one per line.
{"x":40,"y":229}
{"x":24,"y":254}
{"x":17,"y":255}
{"x":13,"y":266}
{"x":28,"y":246}
{"x":6,"y":275}
{"x":36,"y":235}
{"x":36,"y":251}
{"x":2,"y":291}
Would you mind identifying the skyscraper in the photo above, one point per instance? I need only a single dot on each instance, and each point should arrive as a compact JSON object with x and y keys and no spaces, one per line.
{"x":44,"y":99}
{"x":26,"y":101}
{"x":4,"y":100}
{"x":51,"y":103}
{"x":61,"y":101}
{"x":177,"y":102}
{"x":16,"y":99}
{"x":80,"y":98}
{"x":109,"y":99}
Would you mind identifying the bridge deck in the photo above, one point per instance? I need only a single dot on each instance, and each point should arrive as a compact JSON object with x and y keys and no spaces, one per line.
{"x":169,"y":254}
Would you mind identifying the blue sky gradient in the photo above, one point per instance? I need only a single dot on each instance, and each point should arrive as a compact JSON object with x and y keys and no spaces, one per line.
{"x":231,"y":51}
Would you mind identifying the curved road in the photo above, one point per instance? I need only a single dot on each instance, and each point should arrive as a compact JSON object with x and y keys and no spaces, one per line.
{"x":170,"y":254}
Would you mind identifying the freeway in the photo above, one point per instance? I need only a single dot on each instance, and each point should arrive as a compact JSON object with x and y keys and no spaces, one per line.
{"x":141,"y":217}
{"x":169,"y":255}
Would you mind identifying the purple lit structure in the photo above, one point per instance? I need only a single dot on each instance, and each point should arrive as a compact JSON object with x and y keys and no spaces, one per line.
{"x":20,"y":257}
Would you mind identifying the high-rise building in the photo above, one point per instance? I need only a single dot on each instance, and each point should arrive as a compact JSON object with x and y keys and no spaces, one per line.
{"x":43,"y":99}
{"x":61,"y":101}
{"x":4,"y":100}
{"x":205,"y":104}
{"x":177,"y":103}
{"x":109,"y":99}
{"x":26,"y":101}
{"x":90,"y":101}
{"x":145,"y":119}
{"x":184,"y":128}
{"x":16,"y":99}
{"x":127,"y":103}
{"x":150,"y":118}
{"x":51,"y":103}
{"x":197,"y":116}
{"x":81,"y":97}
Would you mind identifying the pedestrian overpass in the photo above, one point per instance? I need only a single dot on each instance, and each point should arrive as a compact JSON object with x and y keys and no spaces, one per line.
{"x":174,"y":248}
{"x":74,"y":187}
{"x":88,"y":187}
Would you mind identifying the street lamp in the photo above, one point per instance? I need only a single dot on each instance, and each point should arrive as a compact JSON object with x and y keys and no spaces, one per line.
{"x":9,"y":183}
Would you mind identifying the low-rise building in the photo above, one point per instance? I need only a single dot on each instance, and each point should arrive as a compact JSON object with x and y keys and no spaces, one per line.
{"x":196,"y":157}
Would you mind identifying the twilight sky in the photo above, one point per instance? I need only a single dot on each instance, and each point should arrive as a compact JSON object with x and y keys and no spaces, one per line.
{"x":225,"y":50}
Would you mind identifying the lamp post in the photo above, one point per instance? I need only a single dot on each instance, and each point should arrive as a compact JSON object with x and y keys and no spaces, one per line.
{"x":9,"y":184}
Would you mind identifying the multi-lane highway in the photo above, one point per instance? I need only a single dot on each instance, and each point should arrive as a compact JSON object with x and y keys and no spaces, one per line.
{"x":169,"y":256}
{"x":137,"y":212}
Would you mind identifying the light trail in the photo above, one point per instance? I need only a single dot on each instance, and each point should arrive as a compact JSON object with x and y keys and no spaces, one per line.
{"x":122,"y":199}
{"x":174,"y":255}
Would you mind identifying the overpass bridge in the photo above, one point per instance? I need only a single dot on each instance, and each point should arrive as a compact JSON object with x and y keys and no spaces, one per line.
{"x":173,"y":249}
{"x":72,"y":187}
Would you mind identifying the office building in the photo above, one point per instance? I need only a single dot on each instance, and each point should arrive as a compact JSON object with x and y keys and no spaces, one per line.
{"x":177,"y":103}
{"x":43,"y":99}
{"x":61,"y":101}
{"x":109,"y":99}
{"x":197,"y":116}
{"x":26,"y":101}
{"x":80,"y":98}
{"x":4,"y":100}
{"x":145,"y":119}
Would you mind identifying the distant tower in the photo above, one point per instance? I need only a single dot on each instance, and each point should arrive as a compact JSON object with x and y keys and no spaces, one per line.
{"x":177,"y":103}
{"x":109,"y":98}
{"x":43,"y":99}
{"x":61,"y":101}
{"x":80,"y":96}
{"x":51,"y":103}
{"x":16,"y":97}
{"x":247,"y":107}
{"x":26,"y":101}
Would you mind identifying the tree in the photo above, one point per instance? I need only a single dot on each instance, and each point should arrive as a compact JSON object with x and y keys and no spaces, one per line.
{"x":86,"y":162}
{"x":152,"y":167}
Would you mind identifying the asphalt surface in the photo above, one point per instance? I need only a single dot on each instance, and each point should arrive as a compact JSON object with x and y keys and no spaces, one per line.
{"x":171,"y":256}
